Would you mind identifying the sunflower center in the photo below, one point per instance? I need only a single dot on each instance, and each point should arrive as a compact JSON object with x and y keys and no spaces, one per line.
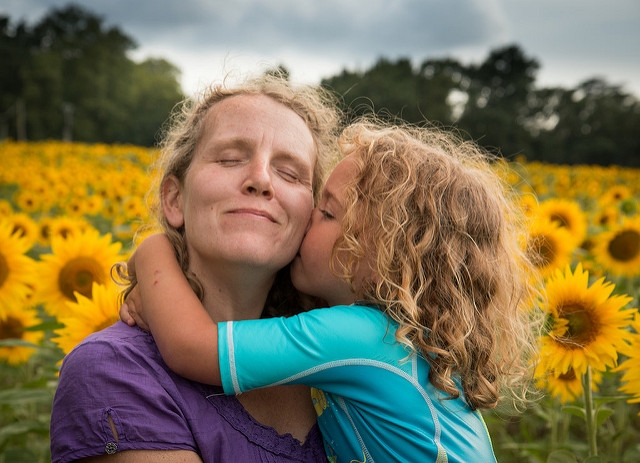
{"x":560,"y":220}
{"x":11,"y":328}
{"x":45,"y":232}
{"x":4,"y":270}
{"x":581,"y":328}
{"x":569,"y":376}
{"x":78,"y":275}
{"x":20,"y":230}
{"x":65,"y":232}
{"x":625,"y":246}
{"x":542,"y":251}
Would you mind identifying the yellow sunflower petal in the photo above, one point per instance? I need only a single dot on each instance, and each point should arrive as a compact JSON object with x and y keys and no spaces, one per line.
{"x":549,"y":246}
{"x":12,"y":327}
{"x":618,"y":250}
{"x":73,"y":266}
{"x":87,"y":316}
{"x":16,"y":269}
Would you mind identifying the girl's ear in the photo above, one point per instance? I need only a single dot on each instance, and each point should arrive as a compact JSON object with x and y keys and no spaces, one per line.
{"x":172,"y":201}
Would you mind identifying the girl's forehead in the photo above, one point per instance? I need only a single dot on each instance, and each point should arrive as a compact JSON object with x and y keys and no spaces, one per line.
{"x":342,"y":173}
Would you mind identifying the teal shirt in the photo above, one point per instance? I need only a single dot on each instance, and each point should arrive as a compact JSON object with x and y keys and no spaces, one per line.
{"x":374,"y":400}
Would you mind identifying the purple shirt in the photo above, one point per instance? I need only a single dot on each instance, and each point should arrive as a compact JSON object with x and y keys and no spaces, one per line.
{"x":117,"y":375}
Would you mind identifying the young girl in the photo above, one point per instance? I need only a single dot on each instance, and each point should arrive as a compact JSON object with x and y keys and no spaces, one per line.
{"x":415,"y":247}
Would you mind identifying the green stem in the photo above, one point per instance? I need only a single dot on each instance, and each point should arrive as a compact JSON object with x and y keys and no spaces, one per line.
{"x":590,"y":416}
{"x":555,"y":417}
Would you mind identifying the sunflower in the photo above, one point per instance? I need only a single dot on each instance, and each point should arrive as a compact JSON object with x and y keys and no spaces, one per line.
{"x":588,"y":325}
{"x":28,"y":201}
{"x":16,"y":269}
{"x":25,"y":227}
{"x":67,"y":227}
{"x":12,"y":327}
{"x":606,"y":217}
{"x":615,"y":194}
{"x":567,"y":214}
{"x":86,"y":316}
{"x":134,"y":208}
{"x":93,"y":204}
{"x":75,"y":207}
{"x":73,"y":266}
{"x":567,"y":386}
{"x":44,"y":230}
{"x":528,"y":204}
{"x":548,"y":245}
{"x":618,"y":249}
{"x":631,"y":366}
{"x":5,"y":208}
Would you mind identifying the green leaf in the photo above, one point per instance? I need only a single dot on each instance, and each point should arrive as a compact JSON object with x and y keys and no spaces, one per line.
{"x":575,"y":410}
{"x":602,"y":414}
{"x":25,"y":396}
{"x":21,"y":428}
{"x":605,"y":400}
{"x":17,"y":343}
{"x":45,"y":326}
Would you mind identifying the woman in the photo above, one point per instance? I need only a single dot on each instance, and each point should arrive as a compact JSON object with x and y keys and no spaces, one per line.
{"x":239,"y":174}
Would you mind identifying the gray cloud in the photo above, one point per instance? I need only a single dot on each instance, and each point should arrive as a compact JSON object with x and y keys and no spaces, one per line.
{"x":572,"y":39}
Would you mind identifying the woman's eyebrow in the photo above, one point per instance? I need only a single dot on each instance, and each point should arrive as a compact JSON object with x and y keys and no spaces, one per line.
{"x":232,"y":142}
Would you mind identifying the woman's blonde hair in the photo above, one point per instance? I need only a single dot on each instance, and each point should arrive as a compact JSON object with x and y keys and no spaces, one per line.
{"x":432,"y":218}
{"x":316,"y":106}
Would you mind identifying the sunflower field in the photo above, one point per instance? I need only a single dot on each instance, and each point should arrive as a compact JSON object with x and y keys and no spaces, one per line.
{"x":70,"y":211}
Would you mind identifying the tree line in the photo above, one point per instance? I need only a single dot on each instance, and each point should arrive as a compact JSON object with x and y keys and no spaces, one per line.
{"x":69,"y":77}
{"x":497,"y":104}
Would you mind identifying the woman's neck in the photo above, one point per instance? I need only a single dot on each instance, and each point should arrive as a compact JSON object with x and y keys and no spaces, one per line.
{"x":234,"y":294}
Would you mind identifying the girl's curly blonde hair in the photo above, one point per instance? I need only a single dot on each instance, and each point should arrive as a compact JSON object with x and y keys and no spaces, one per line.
{"x":431,"y":216}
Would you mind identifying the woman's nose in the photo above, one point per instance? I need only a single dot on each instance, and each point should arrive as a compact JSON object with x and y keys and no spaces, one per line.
{"x":258,"y":180}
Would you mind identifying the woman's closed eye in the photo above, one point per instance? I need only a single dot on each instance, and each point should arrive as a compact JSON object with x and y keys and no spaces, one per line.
{"x":229,"y":162}
{"x":289,"y":175}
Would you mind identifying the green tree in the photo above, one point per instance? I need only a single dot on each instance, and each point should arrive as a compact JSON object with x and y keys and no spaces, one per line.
{"x":155,"y":93}
{"x":43,"y":95}
{"x":15,"y":43}
{"x":94,"y":70}
{"x":441,"y":87}
{"x":497,"y":110}
{"x":69,"y":77}
{"x":595,"y":123}
{"x":396,"y":90}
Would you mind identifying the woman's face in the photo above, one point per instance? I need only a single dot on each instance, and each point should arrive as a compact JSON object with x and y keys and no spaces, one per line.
{"x":247,"y":196}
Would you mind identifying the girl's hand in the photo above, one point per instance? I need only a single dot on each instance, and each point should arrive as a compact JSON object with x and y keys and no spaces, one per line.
{"x":131,"y":310}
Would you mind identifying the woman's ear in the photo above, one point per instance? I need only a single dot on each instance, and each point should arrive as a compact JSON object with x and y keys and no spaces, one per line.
{"x":172,"y":201}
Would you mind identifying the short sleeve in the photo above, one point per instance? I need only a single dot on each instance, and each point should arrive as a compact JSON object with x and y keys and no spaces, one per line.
{"x":113,"y":395}
{"x":304,"y":349}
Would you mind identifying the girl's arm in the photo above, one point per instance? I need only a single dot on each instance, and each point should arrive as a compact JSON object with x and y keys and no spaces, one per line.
{"x":184,"y":333}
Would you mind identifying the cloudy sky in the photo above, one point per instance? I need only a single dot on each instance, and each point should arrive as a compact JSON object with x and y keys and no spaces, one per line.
{"x":573,"y":40}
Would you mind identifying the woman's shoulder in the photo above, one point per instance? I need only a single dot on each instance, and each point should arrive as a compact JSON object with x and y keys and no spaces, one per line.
{"x":117,"y":344}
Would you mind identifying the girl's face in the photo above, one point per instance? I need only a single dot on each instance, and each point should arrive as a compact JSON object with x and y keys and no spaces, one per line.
{"x":246,"y":199}
{"x":310,"y":271}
